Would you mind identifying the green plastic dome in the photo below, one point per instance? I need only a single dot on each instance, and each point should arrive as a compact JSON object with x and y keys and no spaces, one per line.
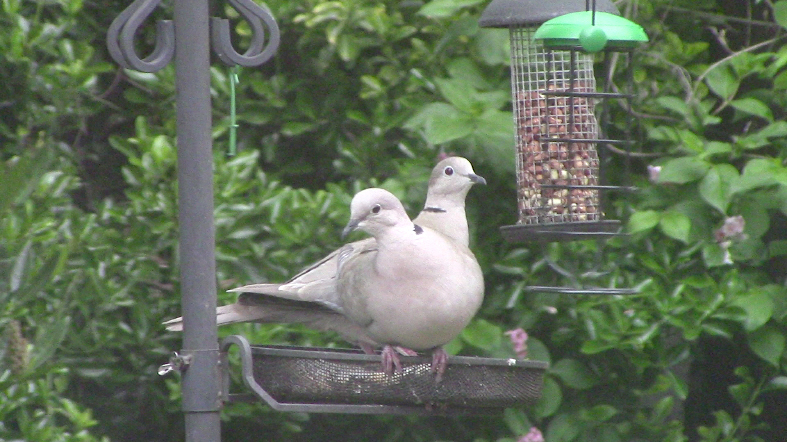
{"x":578,"y":30}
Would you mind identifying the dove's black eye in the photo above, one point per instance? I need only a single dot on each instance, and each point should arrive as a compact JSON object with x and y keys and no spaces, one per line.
{"x":376,"y":208}
{"x":449,"y":170}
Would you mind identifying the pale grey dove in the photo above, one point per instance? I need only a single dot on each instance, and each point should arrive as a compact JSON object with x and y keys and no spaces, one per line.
{"x":313,"y":297}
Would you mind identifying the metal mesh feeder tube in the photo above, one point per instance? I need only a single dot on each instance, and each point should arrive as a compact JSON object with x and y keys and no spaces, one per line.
{"x":557,"y":134}
{"x":557,"y":162}
{"x":562,"y":122}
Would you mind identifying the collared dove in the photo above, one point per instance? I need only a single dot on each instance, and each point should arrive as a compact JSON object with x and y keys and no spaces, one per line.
{"x":418,"y":291}
{"x":312,"y":297}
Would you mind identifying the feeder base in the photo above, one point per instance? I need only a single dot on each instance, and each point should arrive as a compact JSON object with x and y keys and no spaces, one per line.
{"x":312,"y":380}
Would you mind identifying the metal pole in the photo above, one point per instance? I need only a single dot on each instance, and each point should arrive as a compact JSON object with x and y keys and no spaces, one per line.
{"x":201,"y":382}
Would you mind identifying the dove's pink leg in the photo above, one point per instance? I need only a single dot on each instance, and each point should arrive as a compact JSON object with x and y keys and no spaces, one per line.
{"x":405,"y":351}
{"x":390,"y":360}
{"x":439,"y":362}
{"x":367,"y":348}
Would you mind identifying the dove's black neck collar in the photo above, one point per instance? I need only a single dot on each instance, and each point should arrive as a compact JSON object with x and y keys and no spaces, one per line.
{"x":434,"y":209}
{"x":418,"y":229}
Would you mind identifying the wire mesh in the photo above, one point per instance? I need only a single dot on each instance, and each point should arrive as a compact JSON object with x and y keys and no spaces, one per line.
{"x":557,"y":168}
{"x":343,"y":380}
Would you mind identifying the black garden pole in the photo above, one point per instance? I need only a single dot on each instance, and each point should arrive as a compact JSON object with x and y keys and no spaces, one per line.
{"x":189,"y":40}
{"x":195,"y":217}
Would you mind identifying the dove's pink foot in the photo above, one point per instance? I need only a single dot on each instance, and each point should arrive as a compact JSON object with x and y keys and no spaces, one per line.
{"x":390,"y":360}
{"x":439,"y":362}
{"x":367,"y":348}
{"x":405,"y":351}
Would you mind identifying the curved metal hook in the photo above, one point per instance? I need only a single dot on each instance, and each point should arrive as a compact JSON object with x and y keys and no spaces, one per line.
{"x":113,"y":33}
{"x":257,"y":53}
{"x":121,"y":33}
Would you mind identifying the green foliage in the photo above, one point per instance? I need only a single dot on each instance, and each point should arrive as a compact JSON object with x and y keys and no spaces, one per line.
{"x":369,"y":93}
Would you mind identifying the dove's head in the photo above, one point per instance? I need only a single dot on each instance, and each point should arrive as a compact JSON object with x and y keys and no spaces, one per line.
{"x":452,"y":177}
{"x":374,"y":210}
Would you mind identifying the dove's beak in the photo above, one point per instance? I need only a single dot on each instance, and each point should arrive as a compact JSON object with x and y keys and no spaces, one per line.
{"x":477,"y":179}
{"x":351,"y":226}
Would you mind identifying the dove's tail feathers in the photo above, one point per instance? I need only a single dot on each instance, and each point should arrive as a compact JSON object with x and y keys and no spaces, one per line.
{"x":174,"y":324}
{"x":262,"y":289}
{"x":226,"y":314}
{"x":255,"y":307}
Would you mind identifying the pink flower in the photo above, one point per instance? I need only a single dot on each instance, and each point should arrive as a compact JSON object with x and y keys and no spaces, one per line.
{"x":534,"y":435}
{"x":732,"y":229}
{"x":519,"y":340}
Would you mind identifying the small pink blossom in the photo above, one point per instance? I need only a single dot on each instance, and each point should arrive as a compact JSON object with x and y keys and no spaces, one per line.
{"x":534,"y":435}
{"x":518,"y":338}
{"x":653,"y":173}
{"x":731,"y":230}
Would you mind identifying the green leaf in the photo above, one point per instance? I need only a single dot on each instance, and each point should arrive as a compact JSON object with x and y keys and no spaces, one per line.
{"x":674,"y":104}
{"x":564,"y":427}
{"x":758,"y":306}
{"x":599,"y":413}
{"x":748,"y":248}
{"x":482,"y":334}
{"x":457,"y":92}
{"x":712,"y":148}
{"x":445,"y":8}
{"x":20,"y":176}
{"x":762,"y":137}
{"x":741,"y":393}
{"x":754,"y":107}
{"x":780,"y":81}
{"x":48,"y":339}
{"x":679,"y":385}
{"x":574,"y":374}
{"x":756,"y":215}
{"x":441,"y":123}
{"x":758,"y":172}
{"x":516,"y":420}
{"x":294,"y":128}
{"x":551,"y":397}
{"x":691,"y":142}
{"x":662,"y":409}
{"x":537,"y":351}
{"x":643,"y":220}
{"x":20,"y":263}
{"x":780,"y":13}
{"x":683,"y":170}
{"x":493,"y":46}
{"x":593,"y":346}
{"x":449,"y":129}
{"x":722,"y":81}
{"x":718,"y":328}
{"x":466,"y":70}
{"x":768,"y":343}
{"x":715,"y":186}
{"x":675,"y":225}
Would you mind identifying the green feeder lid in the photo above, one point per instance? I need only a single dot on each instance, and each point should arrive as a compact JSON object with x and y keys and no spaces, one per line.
{"x":577,"y":29}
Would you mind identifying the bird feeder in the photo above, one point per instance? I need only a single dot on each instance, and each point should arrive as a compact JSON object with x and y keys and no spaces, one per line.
{"x":320,"y":380}
{"x":560,"y":138}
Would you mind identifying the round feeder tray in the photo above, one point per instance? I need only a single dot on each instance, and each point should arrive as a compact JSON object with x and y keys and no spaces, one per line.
{"x":569,"y":231}
{"x":324,"y":380}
